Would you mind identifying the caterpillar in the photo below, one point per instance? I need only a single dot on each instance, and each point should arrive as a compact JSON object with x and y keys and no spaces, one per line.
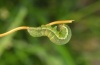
{"x":60,"y":34}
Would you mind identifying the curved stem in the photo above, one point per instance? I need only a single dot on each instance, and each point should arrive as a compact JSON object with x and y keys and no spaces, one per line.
{"x":59,"y":22}
{"x":13,"y":30}
{"x":26,"y":27}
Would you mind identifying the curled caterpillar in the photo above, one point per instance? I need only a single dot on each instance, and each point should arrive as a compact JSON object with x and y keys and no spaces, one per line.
{"x":60,"y":34}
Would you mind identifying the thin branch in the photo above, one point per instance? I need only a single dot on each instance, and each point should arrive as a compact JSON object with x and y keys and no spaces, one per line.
{"x":14,"y":30}
{"x":59,"y":22}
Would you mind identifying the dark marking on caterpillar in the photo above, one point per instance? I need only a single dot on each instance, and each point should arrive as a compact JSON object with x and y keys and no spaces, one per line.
{"x":60,"y":34}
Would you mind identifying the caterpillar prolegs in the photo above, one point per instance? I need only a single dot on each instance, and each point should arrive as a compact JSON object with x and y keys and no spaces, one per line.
{"x":60,"y":34}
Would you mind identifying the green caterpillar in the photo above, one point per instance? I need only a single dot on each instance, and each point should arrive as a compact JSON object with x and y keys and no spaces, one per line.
{"x":60,"y":34}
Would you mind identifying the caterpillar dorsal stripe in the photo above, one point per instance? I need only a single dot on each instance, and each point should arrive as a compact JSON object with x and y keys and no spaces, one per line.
{"x":60,"y":34}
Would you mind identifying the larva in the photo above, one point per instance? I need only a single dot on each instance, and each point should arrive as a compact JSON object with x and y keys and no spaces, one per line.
{"x":60,"y":34}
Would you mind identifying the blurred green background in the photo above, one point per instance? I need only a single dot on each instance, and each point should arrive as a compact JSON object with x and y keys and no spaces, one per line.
{"x":20,"y":48}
